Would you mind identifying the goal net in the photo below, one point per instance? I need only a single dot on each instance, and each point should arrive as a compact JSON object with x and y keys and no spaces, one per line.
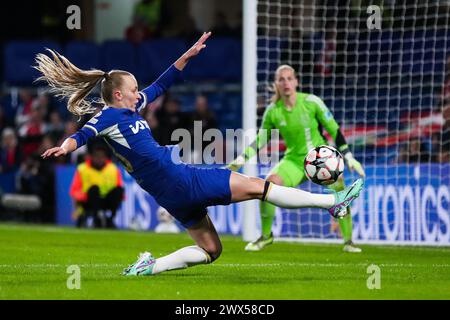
{"x":381,"y":68}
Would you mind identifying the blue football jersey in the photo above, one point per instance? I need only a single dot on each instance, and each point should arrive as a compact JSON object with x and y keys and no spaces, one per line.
{"x":185,"y":191}
{"x":131,"y":140}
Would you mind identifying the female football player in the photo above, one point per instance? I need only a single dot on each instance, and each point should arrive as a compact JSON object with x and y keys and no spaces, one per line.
{"x":300,"y":118}
{"x":185,"y":191}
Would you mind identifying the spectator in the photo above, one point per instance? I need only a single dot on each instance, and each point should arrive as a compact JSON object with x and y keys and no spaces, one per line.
{"x":441,"y":140}
{"x":446,"y":129}
{"x":414,"y":151}
{"x":445,"y":95}
{"x":3,"y":120}
{"x":138,"y":31}
{"x":207,"y":119}
{"x":47,"y":142}
{"x":36,"y":177}
{"x":327,"y":55}
{"x":24,"y":106}
{"x":32,"y":132}
{"x":55,"y":126}
{"x":170,"y":118}
{"x":153,"y":123}
{"x":7,"y":111}
{"x":10,"y":154}
{"x":70,"y":127}
{"x":149,"y":12}
{"x":97,"y":187}
{"x":203,"y":114}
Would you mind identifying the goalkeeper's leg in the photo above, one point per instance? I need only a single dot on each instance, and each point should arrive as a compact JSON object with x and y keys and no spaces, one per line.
{"x":267,"y":214}
{"x":346,"y":223}
{"x":282,"y":174}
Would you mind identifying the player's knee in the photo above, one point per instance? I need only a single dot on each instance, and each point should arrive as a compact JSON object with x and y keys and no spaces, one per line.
{"x":214,"y":251}
{"x":256,"y":187}
{"x":275,"y":179}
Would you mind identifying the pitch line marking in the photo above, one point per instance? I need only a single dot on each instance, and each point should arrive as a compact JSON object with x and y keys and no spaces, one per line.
{"x":234,"y":265}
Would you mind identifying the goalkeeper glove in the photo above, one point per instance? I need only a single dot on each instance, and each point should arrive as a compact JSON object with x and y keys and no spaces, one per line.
{"x":237,"y":163}
{"x":354,"y":164}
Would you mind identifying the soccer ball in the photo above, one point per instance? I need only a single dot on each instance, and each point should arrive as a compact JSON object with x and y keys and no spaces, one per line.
{"x":323,"y":165}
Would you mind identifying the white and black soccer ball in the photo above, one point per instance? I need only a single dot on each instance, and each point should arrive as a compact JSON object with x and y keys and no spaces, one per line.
{"x":323,"y":165}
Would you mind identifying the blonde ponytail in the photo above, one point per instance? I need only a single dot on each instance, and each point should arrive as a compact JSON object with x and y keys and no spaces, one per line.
{"x":67,"y":80}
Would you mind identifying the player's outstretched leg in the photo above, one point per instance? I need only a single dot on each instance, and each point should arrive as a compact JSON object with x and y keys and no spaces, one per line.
{"x":247,"y":188}
{"x":207,"y":250}
{"x":344,"y":198}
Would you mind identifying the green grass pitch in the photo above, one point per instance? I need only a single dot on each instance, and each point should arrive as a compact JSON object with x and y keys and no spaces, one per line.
{"x":34,"y":261}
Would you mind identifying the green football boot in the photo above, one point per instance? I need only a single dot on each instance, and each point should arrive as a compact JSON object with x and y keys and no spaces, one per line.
{"x":345,"y":197}
{"x":142,"y":267}
{"x":349,"y":246}
{"x":260,"y":243}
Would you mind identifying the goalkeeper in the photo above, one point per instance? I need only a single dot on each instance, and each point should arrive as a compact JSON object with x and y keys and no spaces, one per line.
{"x":299,"y":117}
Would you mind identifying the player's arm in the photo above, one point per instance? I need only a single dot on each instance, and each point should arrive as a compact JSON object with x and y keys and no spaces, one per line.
{"x":263,"y":137}
{"x":72,"y":143}
{"x":68,"y":146}
{"x":165,"y":80}
{"x":91,"y":129}
{"x":327,"y":120}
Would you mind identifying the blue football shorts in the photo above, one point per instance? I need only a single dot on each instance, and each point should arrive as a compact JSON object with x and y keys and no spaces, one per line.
{"x":196,"y":189}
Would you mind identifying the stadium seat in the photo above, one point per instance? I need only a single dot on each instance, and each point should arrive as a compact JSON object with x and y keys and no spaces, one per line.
{"x":84,"y":54}
{"x":19,"y":59}
{"x":157,"y":55}
{"x":234,"y":66}
{"x":222,"y":61}
{"x":118,"y":54}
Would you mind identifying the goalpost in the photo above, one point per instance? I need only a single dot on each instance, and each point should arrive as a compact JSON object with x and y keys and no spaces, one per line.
{"x":249,"y":99}
{"x":380,"y":67}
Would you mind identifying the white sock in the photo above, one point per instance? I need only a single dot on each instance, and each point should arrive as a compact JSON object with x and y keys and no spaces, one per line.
{"x":295,"y":198}
{"x":183,"y":258}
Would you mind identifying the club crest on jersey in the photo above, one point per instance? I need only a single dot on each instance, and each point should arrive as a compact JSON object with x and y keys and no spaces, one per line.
{"x":140,"y":124}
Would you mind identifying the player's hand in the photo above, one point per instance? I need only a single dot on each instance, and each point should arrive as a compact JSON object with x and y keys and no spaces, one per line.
{"x":193,"y":51}
{"x":198,"y":46}
{"x":56,"y":152}
{"x":354,"y":164}
{"x":236,"y":164}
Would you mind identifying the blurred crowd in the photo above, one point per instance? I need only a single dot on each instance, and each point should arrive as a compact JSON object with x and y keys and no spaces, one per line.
{"x":433,"y":145}
{"x":151,"y":19}
{"x":31,"y":123}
